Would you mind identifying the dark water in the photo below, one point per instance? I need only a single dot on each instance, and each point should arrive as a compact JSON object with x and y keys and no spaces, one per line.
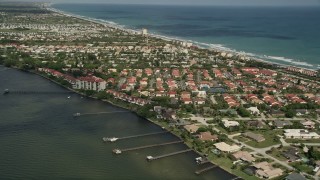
{"x":39,"y":139}
{"x":286,"y":35}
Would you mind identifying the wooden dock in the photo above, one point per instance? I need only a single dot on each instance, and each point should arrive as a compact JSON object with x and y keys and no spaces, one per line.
{"x":203,"y":162}
{"x":236,"y":178}
{"x":151,"y":158}
{"x":205,"y":169}
{"x":97,"y":113}
{"x":4,"y":69}
{"x":147,"y":146}
{"x":38,"y":92}
{"x":113,"y":139}
{"x":142,"y":135}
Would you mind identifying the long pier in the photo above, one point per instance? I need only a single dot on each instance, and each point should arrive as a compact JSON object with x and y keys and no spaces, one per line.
{"x":151,"y":158}
{"x":236,"y":178}
{"x":203,"y":162}
{"x":113,"y":139}
{"x":205,"y":169}
{"x":4,"y":69}
{"x":37,"y":92}
{"x":144,"y":147}
{"x":97,"y":113}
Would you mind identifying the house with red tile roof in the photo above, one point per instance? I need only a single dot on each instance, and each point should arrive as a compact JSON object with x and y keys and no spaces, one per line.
{"x":131,"y":81}
{"x":218,"y":73}
{"x":185,"y":94}
{"x":172,"y":94}
{"x":231,"y":100}
{"x":206,"y":75}
{"x":148,"y":71}
{"x":236,"y":72}
{"x":186,"y":100}
{"x":270,"y":100}
{"x":199,"y":101}
{"x":295,"y":98}
{"x":267,"y":72}
{"x":230,"y":85}
{"x":175,"y":73}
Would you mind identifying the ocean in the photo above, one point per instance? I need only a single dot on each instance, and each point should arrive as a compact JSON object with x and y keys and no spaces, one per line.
{"x":285,"y":35}
{"x":40,"y":139}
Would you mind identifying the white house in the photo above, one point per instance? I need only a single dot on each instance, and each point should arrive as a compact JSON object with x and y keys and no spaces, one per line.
{"x":228,"y":124}
{"x":254,"y":110}
{"x":91,"y":83}
{"x":224,"y":147}
{"x":300,"y":134}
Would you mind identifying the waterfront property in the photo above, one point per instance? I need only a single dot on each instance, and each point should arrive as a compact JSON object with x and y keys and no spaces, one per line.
{"x":91,"y":83}
{"x":211,"y":99}
{"x":224,"y":147}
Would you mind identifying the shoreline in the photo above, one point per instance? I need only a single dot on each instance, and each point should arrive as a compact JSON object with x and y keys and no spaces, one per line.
{"x":119,"y":106}
{"x":215,"y":47}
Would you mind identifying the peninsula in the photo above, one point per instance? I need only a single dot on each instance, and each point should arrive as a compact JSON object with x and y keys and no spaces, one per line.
{"x":254,"y":119}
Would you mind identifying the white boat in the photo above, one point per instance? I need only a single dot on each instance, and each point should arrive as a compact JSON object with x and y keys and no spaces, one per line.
{"x":199,"y":159}
{"x":113,"y":139}
{"x":77,"y":114}
{"x":149,"y":158}
{"x":117,"y":151}
{"x":6,"y":91}
{"x":69,"y":97}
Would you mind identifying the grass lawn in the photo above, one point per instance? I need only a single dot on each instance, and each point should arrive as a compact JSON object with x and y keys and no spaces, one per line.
{"x":303,"y":167}
{"x":302,"y":141}
{"x":226,"y":164}
{"x":222,"y":130}
{"x":276,"y":153}
{"x":269,"y":135}
{"x":242,"y":139}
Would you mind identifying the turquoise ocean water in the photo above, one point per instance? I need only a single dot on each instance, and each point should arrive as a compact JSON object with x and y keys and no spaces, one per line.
{"x":286,"y":35}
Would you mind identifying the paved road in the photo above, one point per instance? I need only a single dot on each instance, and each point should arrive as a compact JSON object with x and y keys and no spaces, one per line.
{"x":213,"y":100}
{"x":262,"y":151}
{"x":270,"y":119}
{"x":201,"y":120}
{"x":316,"y":176}
{"x":298,"y":77}
{"x":283,"y":142}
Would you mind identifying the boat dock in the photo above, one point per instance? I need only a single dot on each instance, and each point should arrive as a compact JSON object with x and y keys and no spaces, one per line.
{"x":36,"y":92}
{"x":205,"y":169}
{"x":113,"y":139}
{"x":201,"y":160}
{"x":4,"y":69}
{"x":97,"y":113}
{"x":119,"y":151}
{"x":236,"y":178}
{"x":151,"y":158}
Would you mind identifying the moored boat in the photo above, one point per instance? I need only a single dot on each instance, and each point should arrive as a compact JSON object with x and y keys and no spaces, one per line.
{"x":117,"y":151}
{"x":6,"y":91}
{"x":106,"y":139}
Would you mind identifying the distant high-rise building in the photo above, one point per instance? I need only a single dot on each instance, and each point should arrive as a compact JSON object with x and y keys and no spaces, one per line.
{"x":144,"y":32}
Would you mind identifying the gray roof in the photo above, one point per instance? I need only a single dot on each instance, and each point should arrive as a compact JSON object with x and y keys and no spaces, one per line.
{"x":281,"y":124}
{"x":295,"y":176}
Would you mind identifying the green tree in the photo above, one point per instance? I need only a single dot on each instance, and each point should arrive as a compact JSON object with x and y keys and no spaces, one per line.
{"x":290,"y":113}
{"x":243,"y":112}
{"x":314,"y":154}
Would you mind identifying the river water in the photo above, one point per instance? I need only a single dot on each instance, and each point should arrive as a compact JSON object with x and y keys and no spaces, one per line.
{"x":40,"y":139}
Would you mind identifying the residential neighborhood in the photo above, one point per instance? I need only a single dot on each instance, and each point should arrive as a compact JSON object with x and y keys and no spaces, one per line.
{"x":255,"y":119}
